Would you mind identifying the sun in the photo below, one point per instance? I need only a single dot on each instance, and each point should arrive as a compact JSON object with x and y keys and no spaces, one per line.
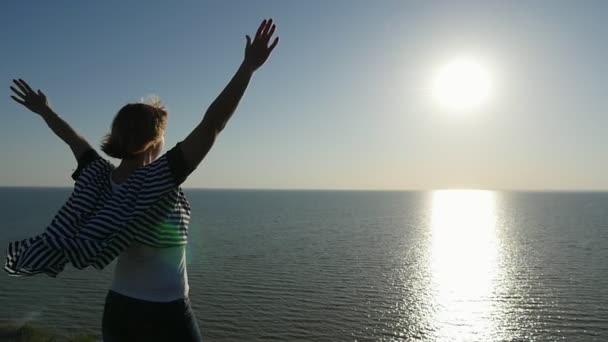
{"x":461,"y":85}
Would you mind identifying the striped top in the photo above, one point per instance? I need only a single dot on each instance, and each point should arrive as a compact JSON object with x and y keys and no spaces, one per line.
{"x":95,"y":225}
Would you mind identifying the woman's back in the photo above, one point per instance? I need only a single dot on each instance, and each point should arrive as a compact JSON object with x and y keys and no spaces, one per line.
{"x":151,"y":273}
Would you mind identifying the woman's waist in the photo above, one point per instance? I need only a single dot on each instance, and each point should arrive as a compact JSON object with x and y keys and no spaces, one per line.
{"x":152,"y":289}
{"x":130,"y":300}
{"x":152,"y":278}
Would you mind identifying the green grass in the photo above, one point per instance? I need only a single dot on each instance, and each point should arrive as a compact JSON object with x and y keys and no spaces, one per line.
{"x":29,"y":333}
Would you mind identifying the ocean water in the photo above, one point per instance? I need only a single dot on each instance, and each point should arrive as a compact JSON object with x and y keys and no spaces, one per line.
{"x":357,"y":266}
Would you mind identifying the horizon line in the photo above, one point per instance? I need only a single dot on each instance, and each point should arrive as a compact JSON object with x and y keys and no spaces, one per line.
{"x":337,"y":189}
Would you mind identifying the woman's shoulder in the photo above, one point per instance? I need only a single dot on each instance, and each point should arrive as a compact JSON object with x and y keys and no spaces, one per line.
{"x":164,"y":171}
{"x":169,"y":166}
{"x":91,"y":163}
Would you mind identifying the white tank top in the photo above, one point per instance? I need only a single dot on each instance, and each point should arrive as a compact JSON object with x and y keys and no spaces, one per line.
{"x":152,"y":274}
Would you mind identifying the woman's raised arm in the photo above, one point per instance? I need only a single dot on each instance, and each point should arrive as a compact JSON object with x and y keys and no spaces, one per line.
{"x":37,"y":103}
{"x":200,"y":141}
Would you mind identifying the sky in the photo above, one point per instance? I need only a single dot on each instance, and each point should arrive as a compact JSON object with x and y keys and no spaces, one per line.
{"x":342,"y":103}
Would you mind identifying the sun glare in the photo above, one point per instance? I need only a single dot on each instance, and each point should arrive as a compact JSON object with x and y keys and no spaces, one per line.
{"x":464,"y":263}
{"x":461,"y":85}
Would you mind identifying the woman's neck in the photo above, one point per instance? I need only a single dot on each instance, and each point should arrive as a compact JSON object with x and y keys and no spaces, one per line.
{"x":128,"y":165}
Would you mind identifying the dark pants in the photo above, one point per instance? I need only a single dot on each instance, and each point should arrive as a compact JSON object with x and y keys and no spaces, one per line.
{"x":130,"y":319}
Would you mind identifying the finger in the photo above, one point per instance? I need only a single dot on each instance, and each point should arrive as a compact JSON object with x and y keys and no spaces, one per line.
{"x":27,"y":86}
{"x":268,"y":24}
{"x":18,"y":100}
{"x":274,"y":43}
{"x":259,"y":32}
{"x":271,"y":31}
{"x":17,"y":92}
{"x":41,"y":94}
{"x":21,"y":87}
{"x":248,"y":40}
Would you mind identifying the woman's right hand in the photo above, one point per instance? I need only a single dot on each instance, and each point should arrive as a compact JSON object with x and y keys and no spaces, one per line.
{"x":34,"y":101}
{"x":257,"y":52}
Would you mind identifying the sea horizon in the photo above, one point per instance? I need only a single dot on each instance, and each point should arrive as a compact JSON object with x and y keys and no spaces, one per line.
{"x":345,"y":189}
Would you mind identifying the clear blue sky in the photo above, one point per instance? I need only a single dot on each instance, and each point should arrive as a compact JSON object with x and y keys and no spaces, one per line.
{"x":341,"y":104}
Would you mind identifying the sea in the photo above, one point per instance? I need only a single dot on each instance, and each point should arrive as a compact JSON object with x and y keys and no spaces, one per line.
{"x":278,"y":265}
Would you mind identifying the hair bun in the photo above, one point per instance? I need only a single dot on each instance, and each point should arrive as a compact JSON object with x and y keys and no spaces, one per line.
{"x":153,"y":100}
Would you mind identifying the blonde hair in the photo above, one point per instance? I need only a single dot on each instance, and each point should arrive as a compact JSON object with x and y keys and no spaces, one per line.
{"x":135,"y":128}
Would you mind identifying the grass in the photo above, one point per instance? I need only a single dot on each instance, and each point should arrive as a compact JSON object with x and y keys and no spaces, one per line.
{"x":29,"y":333}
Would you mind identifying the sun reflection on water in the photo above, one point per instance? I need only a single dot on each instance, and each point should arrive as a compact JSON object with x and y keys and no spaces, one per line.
{"x":464,"y":264}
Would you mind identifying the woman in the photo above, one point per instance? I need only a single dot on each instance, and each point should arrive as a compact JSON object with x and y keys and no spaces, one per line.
{"x":136,"y":211}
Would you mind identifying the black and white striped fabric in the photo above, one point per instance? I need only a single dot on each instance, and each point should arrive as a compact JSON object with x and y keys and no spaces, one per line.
{"x":96,"y":224}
